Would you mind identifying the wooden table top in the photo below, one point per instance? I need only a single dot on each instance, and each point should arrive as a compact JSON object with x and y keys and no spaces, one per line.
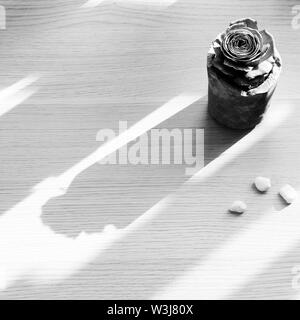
{"x":83,"y":69}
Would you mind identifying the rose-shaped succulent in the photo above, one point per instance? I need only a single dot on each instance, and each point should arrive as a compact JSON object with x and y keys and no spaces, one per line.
{"x":242,"y":63}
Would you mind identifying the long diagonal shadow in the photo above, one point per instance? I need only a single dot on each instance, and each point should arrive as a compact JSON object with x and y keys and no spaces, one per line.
{"x":23,"y":234}
{"x":116,"y":187}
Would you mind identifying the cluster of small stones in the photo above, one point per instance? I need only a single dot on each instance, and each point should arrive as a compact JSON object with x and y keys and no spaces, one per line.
{"x":262,"y":184}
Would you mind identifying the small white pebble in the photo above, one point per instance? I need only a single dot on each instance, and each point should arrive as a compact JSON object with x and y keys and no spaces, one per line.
{"x":238,"y":207}
{"x":288,"y":193}
{"x":262,"y":184}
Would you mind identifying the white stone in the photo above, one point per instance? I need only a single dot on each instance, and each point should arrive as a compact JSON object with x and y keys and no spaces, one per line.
{"x":262,"y":184}
{"x":288,"y":193}
{"x":238,"y":207}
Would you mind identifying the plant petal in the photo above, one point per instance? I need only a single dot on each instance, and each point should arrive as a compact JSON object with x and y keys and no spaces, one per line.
{"x":248,"y":22}
{"x":268,"y":42}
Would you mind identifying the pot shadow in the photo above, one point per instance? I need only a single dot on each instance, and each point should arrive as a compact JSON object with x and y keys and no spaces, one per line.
{"x":57,"y":127}
{"x":117,"y":194}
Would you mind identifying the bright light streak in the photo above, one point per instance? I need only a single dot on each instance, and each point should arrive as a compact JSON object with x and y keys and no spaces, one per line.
{"x":163,"y":113}
{"x":17,"y":93}
{"x":93,"y":3}
{"x":154,"y":3}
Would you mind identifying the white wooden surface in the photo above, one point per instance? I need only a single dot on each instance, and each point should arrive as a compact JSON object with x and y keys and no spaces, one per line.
{"x":120,"y":61}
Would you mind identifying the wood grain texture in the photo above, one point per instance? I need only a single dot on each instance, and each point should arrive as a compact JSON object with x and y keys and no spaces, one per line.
{"x":120,"y":61}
